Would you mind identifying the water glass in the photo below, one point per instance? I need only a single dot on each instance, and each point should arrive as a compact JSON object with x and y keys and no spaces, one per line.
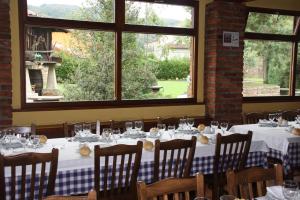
{"x":107,"y":134}
{"x":35,"y":140}
{"x":129,"y":126}
{"x":138,"y":125}
{"x":161,"y":128}
{"x":224,"y":126}
{"x":289,"y":189}
{"x":298,"y":119}
{"x":214,"y":126}
{"x":272,"y":117}
{"x":116,"y":134}
{"x":24,"y":140}
{"x":278,"y":116}
{"x":77,"y":128}
{"x":190,"y":122}
{"x":182,"y":124}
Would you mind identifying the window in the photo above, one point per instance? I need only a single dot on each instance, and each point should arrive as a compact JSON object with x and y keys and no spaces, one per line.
{"x":108,"y":52}
{"x":268,"y":54}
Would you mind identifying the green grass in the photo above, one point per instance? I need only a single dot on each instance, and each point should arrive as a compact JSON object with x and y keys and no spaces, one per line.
{"x":172,"y":89}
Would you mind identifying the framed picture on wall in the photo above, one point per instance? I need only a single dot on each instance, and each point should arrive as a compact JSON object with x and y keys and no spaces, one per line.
{"x":231,"y":39}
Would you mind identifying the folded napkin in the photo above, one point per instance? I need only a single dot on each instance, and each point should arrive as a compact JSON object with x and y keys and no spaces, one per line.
{"x":87,"y":138}
{"x":13,"y":145}
{"x":266,"y":123}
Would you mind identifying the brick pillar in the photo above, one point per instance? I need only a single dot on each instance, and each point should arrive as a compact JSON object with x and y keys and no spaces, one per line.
{"x":224,"y":65}
{"x":5,"y":66}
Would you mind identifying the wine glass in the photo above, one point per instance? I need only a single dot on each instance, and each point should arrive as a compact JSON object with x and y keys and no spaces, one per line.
{"x":272,"y":117}
{"x":289,"y":189}
{"x":23,"y":139}
{"x":214,"y":126}
{"x":224,"y":126}
{"x":190,"y":122}
{"x":35,"y":139}
{"x":128,"y":126}
{"x":138,"y":125}
{"x":298,"y":119}
{"x":161,"y":128}
{"x":106,"y":134}
{"x":116,"y":135}
{"x":171,"y":130}
{"x":87,"y":127}
{"x":278,"y":116}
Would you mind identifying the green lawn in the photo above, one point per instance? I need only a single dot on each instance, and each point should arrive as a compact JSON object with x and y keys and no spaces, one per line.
{"x":172,"y":89}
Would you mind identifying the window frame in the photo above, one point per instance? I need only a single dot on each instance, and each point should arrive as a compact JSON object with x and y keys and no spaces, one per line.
{"x":118,"y":27}
{"x":293,"y":39}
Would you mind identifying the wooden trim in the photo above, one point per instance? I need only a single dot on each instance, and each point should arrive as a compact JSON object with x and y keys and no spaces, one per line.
{"x":267,"y":36}
{"x":196,"y":52}
{"x":69,"y":24}
{"x":271,"y":99}
{"x":273,"y":11}
{"x":170,"y":2}
{"x":158,"y":30}
{"x":293,"y":70}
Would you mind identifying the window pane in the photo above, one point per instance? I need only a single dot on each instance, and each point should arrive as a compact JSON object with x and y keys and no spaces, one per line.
{"x":270,"y":23}
{"x":298,"y":73}
{"x":91,"y":10}
{"x":266,"y":68}
{"x":156,"y":66}
{"x":69,"y":65}
{"x":154,"y":14}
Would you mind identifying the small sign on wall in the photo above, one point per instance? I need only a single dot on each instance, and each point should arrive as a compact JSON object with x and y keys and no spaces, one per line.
{"x":231,"y":39}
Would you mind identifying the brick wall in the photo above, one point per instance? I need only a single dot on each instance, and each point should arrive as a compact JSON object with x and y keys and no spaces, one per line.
{"x":224,"y":65}
{"x":5,"y":66}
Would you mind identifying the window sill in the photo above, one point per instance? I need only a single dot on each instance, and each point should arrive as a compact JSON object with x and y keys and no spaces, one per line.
{"x":271,"y":99}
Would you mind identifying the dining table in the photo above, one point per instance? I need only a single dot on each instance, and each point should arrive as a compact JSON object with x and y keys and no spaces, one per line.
{"x":282,"y":144}
{"x":75,"y":173}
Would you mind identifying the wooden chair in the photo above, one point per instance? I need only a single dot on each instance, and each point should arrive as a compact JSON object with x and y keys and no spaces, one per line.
{"x":69,"y":128}
{"x":252,"y":182}
{"x":22,"y":161}
{"x":253,"y":118}
{"x":91,"y":196}
{"x":289,"y":115}
{"x":171,"y":186}
{"x":231,"y":153}
{"x":179,"y":165}
{"x":117,"y":188}
{"x":22,"y":129}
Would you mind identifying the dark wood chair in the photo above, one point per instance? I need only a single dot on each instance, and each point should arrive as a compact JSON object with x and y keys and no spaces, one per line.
{"x":252,"y":182}
{"x":179,"y":163}
{"x":69,"y":128}
{"x":253,"y":118}
{"x":91,"y":196}
{"x":289,"y":115}
{"x":117,"y":188}
{"x":22,"y":161}
{"x":22,"y":129}
{"x":172,"y":186}
{"x":231,"y":153}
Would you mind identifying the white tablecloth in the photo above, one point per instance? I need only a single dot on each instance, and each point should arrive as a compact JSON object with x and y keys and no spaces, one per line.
{"x":277,"y":138}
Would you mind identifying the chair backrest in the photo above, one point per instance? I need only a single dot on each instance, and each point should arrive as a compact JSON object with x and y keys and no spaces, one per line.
{"x":172,"y":186}
{"x":231,"y":153}
{"x":177,"y":158}
{"x":22,"y":129}
{"x":289,"y":115}
{"x":69,"y":128}
{"x":91,"y":196}
{"x":21,"y":161}
{"x":252,"y":182}
{"x":121,"y":157}
{"x":253,"y":118}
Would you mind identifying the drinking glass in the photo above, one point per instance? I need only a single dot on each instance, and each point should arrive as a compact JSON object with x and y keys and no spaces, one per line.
{"x":272,"y":117}
{"x":278,"y":116}
{"x":106,"y":134}
{"x":35,"y":140}
{"x":87,"y":127}
{"x":138,"y":125}
{"x":171,"y":130}
{"x":23,"y":139}
{"x":182,"y":124}
{"x":298,"y":119}
{"x":214,"y":126}
{"x":129,"y":126}
{"x":289,"y":189}
{"x":116,"y":135}
{"x":161,"y":128}
{"x":77,"y":128}
{"x":224,"y":126}
{"x":190,"y":122}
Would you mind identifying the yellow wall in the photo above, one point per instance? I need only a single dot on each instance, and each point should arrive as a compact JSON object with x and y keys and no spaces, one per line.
{"x":55,"y":117}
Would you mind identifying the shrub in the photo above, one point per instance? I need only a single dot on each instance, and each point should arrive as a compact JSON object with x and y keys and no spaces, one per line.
{"x":173,"y":69}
